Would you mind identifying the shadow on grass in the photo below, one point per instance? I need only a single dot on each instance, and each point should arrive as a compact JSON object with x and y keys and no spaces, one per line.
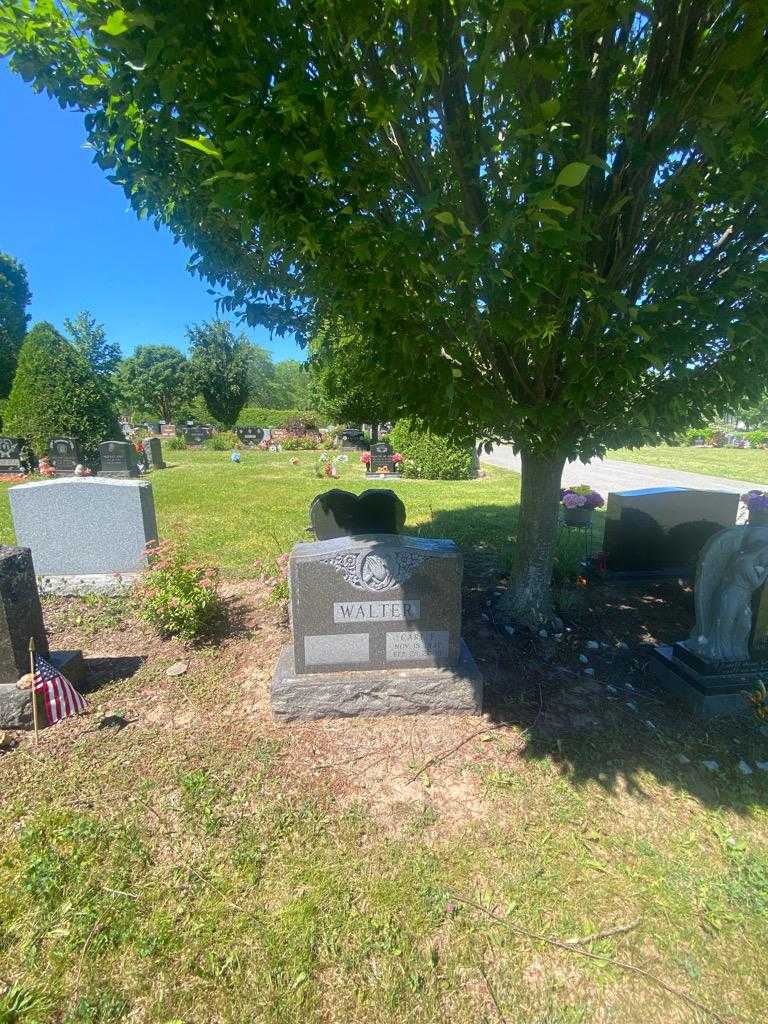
{"x":102,"y":671}
{"x":615,"y":728}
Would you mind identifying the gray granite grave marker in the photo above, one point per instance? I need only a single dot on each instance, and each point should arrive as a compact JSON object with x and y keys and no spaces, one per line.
{"x":381,"y":459}
{"x":153,"y":453}
{"x":118,"y":460}
{"x":376,"y":626}
{"x":250,"y":436}
{"x":84,"y":532}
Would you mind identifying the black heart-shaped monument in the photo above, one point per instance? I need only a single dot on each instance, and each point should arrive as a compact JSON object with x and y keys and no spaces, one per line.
{"x":338,"y":513}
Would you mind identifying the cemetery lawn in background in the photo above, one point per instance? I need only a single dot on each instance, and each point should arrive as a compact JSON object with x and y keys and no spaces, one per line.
{"x":235,"y":515}
{"x":732,"y":463}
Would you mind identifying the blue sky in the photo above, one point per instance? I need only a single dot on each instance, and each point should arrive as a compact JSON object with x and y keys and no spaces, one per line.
{"x":81,"y":244}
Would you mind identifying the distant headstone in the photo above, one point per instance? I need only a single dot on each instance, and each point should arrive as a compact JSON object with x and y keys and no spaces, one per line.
{"x":153,"y":426}
{"x":353,"y":439}
{"x":250,"y":436}
{"x":196,"y":436}
{"x":381,"y":458}
{"x":64,"y":455}
{"x":118,"y":460}
{"x":699,"y":442}
{"x":661,"y":530}
{"x":168,"y":430}
{"x":83,"y":531}
{"x":153,"y":453}
{"x":10,"y":455}
{"x":338,"y":513}
{"x":376,"y":630}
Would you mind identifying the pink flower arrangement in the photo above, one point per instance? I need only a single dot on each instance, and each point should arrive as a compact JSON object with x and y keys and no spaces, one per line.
{"x":365,"y":458}
{"x":45,"y":468}
{"x":581,"y":497}
{"x":397,"y":457}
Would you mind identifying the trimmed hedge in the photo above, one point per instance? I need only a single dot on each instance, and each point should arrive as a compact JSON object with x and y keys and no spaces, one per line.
{"x":257,"y":416}
{"x":431,"y":456}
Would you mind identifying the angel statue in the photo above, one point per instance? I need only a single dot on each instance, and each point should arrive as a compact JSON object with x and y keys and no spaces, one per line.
{"x":732,"y":565}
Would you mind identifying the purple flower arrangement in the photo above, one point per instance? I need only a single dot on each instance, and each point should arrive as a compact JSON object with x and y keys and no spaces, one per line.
{"x":581,"y":497}
{"x":756,"y":501}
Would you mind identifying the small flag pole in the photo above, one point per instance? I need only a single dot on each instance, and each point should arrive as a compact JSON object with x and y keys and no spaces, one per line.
{"x":34,"y":694}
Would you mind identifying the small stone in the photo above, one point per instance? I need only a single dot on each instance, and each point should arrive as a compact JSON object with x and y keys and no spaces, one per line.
{"x":583,"y":659}
{"x":762,"y":765}
{"x":649,"y":723}
{"x":628,"y":686}
{"x":558,"y":636}
{"x":610,"y":689}
{"x":622,"y":646}
{"x":631,"y":705}
{"x":543,"y":634}
{"x":484,"y":617}
{"x":711,"y":766}
{"x":177,"y":669}
{"x":602,"y":777}
{"x":25,"y":682}
{"x":592,"y":645}
{"x":509,"y":630}
{"x":682,"y":759}
{"x":589,"y":671}
{"x":744,"y":768}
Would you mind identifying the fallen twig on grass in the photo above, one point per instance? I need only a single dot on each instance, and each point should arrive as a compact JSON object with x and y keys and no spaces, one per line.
{"x":452,"y":750}
{"x":623,"y":965}
{"x":620,"y":929}
{"x":492,"y":994}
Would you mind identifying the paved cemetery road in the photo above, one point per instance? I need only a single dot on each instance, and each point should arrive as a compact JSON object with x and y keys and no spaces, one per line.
{"x":612,"y":475}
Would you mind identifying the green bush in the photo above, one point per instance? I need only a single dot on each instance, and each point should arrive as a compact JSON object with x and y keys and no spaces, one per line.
{"x":55,"y":393}
{"x":175,"y":444}
{"x":256,"y":416}
{"x":757,"y":437}
{"x":223,"y":442}
{"x":178,"y":598}
{"x":689,"y":436}
{"x":432,"y":456}
{"x":301,"y":443}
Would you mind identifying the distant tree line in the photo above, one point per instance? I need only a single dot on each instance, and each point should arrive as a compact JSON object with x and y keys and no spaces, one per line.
{"x":77,"y":381}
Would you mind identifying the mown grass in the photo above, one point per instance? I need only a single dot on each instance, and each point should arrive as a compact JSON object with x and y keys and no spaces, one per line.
{"x":732,"y":463}
{"x":189,"y":889}
{"x":234,"y":515}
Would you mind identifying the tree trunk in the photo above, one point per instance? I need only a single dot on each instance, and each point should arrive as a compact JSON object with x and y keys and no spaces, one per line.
{"x":530,"y":599}
{"x":374,"y":433}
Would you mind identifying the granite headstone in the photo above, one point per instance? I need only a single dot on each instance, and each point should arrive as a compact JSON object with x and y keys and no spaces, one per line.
{"x":153,"y":453}
{"x":661,"y":530}
{"x":64,"y":455}
{"x":10,"y":455}
{"x":168,"y":430}
{"x":118,"y":460}
{"x":250,"y":437}
{"x":84,"y":532}
{"x":338,"y":513}
{"x":381,"y":459}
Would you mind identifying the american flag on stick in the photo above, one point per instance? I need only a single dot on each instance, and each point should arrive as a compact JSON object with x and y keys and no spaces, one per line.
{"x":61,"y":698}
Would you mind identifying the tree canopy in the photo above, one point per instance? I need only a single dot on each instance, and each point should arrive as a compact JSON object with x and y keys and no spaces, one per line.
{"x":55,"y":392}
{"x":90,"y":340}
{"x":14,"y":300}
{"x":156,"y":380}
{"x":220,"y":367}
{"x":557,"y":212}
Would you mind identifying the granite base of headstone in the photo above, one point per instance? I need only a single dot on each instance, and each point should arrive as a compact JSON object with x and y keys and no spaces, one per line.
{"x":659,"y":532}
{"x":118,"y":460}
{"x":86,"y":534}
{"x":21,"y":619}
{"x":376,"y":624}
{"x":153,"y":453}
{"x":64,"y":456}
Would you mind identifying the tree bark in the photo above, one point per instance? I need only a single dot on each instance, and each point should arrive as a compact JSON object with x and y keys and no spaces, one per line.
{"x":530,"y":599}
{"x":374,"y":433}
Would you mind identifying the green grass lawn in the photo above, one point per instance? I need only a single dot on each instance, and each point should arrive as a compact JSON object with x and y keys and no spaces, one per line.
{"x":234,"y":515}
{"x":732,"y":463}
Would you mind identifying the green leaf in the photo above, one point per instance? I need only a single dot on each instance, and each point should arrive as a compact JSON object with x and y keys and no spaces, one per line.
{"x":117,"y":23}
{"x":552,"y":204}
{"x":572,"y":175}
{"x":313,"y":157}
{"x":550,"y":108}
{"x":90,"y":80}
{"x":445,"y":217}
{"x":203,"y":145}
